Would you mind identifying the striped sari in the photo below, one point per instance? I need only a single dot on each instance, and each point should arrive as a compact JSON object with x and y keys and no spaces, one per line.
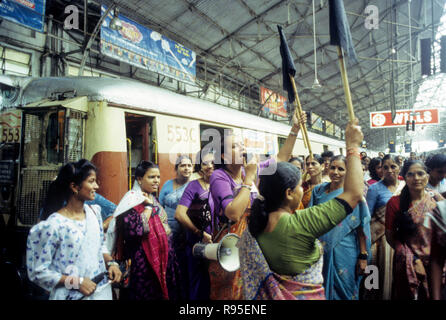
{"x":261,"y":283}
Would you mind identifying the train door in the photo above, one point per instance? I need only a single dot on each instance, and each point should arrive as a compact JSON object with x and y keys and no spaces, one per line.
{"x":141,"y":143}
{"x":10,"y":122}
{"x":50,"y":137}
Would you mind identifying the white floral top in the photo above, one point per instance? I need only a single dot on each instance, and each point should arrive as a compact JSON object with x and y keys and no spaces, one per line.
{"x":62,"y":246}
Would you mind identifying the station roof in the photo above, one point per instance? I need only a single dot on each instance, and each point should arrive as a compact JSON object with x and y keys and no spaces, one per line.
{"x":237,"y":40}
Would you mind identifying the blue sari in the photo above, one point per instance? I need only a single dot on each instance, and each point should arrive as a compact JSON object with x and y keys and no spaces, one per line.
{"x":341,"y":247}
{"x":169,"y":199}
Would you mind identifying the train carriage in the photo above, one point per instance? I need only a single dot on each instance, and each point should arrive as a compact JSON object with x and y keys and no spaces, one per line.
{"x":116,"y":123}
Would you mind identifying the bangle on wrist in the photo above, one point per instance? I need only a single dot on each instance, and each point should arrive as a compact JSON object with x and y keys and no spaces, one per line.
{"x":81,"y":279}
{"x":247,"y":186}
{"x":112,"y":263}
{"x":354,"y":152}
{"x":363,"y":256}
{"x":292,"y":133}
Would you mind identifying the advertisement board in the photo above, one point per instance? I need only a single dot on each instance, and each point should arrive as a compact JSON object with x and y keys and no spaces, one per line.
{"x":147,"y":49}
{"x":275,"y":104}
{"x":29,"y":13}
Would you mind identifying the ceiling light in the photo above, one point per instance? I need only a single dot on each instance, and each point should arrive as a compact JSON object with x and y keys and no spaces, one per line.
{"x":116,"y":23}
{"x":316,"y":84}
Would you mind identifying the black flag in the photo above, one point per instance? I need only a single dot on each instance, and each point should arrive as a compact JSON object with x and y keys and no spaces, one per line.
{"x":288,"y":67}
{"x":339,"y":28}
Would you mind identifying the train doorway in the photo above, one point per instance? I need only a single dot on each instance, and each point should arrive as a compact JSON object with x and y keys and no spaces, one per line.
{"x":141,"y":141}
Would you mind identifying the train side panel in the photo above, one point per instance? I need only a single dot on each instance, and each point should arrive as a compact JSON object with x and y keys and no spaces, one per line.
{"x":175,"y":136}
{"x":106,"y":148}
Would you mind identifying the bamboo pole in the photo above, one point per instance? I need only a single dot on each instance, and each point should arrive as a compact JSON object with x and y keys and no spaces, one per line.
{"x":348,"y":97}
{"x":299,"y":111}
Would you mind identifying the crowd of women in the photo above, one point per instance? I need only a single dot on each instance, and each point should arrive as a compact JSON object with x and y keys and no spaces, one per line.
{"x":308,"y":229}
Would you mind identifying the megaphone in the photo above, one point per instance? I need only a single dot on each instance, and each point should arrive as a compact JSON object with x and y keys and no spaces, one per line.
{"x":225,"y":252}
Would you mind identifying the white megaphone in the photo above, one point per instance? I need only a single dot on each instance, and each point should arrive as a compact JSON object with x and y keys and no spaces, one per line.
{"x":225,"y":252}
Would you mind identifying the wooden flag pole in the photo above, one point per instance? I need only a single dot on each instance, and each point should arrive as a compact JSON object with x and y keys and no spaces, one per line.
{"x":300,"y":115}
{"x":348,"y":96}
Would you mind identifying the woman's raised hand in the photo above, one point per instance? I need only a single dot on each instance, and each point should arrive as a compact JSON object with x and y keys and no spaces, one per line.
{"x":353,"y":134}
{"x":250,"y":169}
{"x":299,"y":123}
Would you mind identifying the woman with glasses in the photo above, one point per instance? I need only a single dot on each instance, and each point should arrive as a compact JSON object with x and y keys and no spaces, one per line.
{"x":377,"y":197}
{"x":194,"y":212}
{"x":408,"y":231}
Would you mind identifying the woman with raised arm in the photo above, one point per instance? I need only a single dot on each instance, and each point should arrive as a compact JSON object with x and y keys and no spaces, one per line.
{"x":409,"y":231}
{"x":194,"y":212}
{"x":66,"y":254}
{"x":280,"y":256}
{"x":233,"y":188}
{"x":346,"y":246}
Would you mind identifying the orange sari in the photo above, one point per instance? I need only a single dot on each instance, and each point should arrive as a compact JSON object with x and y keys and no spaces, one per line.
{"x":308,"y":189}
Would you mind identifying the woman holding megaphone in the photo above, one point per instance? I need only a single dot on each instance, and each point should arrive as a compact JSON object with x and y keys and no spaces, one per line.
{"x":280,"y":256}
{"x":233,"y":188}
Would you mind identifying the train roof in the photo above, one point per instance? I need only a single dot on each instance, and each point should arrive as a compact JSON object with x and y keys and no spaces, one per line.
{"x":142,"y":96}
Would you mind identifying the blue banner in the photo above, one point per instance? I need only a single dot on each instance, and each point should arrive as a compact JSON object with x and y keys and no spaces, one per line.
{"x":29,"y":13}
{"x":147,"y":49}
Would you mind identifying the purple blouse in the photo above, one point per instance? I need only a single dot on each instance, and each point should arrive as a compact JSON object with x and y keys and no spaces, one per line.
{"x":193,"y":193}
{"x":224,"y":189}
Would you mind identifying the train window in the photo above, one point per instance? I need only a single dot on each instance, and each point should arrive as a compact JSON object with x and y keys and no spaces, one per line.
{"x":75,"y":136}
{"x":205,"y":136}
{"x":325,"y":147}
{"x":54,"y":137}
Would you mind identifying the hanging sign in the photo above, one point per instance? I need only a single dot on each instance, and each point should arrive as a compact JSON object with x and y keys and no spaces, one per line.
{"x":29,"y":13}
{"x":147,"y":49}
{"x":383,"y":119}
{"x":272,"y":102}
